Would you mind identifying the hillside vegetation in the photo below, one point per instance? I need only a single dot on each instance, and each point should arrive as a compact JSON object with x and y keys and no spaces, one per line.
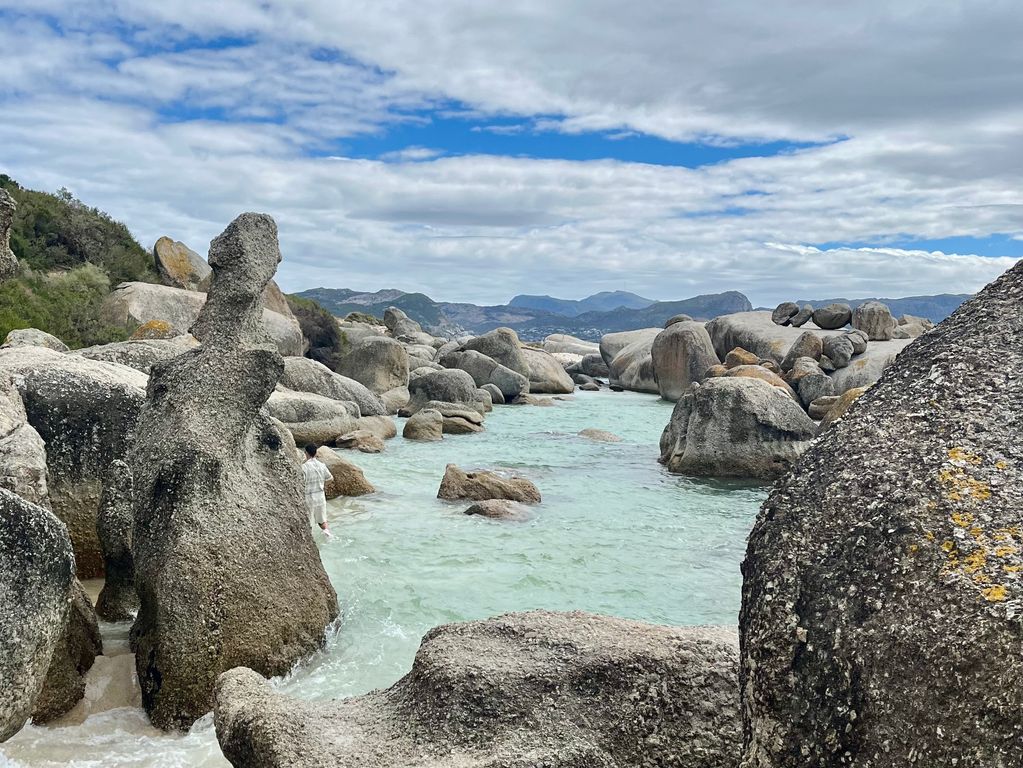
{"x":70,"y":255}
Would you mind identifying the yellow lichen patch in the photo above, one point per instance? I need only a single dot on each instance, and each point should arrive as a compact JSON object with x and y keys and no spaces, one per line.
{"x":1012,"y":568}
{"x":962,"y":456}
{"x":974,"y":561}
{"x":929,"y":535}
{"x":962,"y":519}
{"x":995,"y":593}
{"x":1000,"y":464}
{"x":1006,"y":550}
{"x":948,"y":545}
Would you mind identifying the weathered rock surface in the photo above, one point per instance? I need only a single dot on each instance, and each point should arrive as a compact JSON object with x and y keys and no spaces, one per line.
{"x":400,"y":324}
{"x":312,"y":418}
{"x":594,"y":365}
{"x":446,"y":386}
{"x":502,"y":345}
{"x":361,"y":440}
{"x":8,"y":261}
{"x":761,"y":373}
{"x":395,"y":399}
{"x":599,"y":435}
{"x":133,"y":304}
{"x":839,"y":350}
{"x":72,"y":658}
{"x":679,"y":318}
{"x":886,"y":586}
{"x":809,"y":344}
{"x":482,"y":485}
{"x":346,"y":479}
{"x":225,"y":564}
{"x":427,"y":424}
{"x":118,"y":600}
{"x":613,"y":343}
{"x":681,"y":355}
{"x":496,"y":395}
{"x":140,"y":354}
{"x":735,"y":427}
{"x":633,"y":367}
{"x":863,"y":370}
{"x":740,"y":356}
{"x":305,"y":375}
{"x":178,"y":265}
{"x":559,"y":690}
{"x":33,"y":337}
{"x":36,"y":572}
{"x":874,"y":319}
{"x":802,"y":317}
{"x":546,"y":374}
{"x":562,"y":342}
{"x":22,"y":451}
{"x":832,"y":317}
{"x":379,"y":363}
{"x":485,"y":370}
{"x":784,"y":312}
{"x":155,"y":329}
{"x":85,"y":411}
{"x":840,"y":407}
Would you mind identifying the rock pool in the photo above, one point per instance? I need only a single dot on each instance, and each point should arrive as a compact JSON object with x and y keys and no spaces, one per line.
{"x":615,"y":534}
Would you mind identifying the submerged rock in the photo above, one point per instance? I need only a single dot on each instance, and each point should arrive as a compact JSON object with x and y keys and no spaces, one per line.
{"x":499,"y":509}
{"x":482,"y":485}
{"x":883,"y":580}
{"x":560,"y":690}
{"x":36,"y":571}
{"x":735,"y":427}
{"x":225,"y":563}
{"x":599,"y":435}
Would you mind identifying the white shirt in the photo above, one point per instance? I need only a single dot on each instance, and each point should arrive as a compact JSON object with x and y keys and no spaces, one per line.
{"x":316,"y":474}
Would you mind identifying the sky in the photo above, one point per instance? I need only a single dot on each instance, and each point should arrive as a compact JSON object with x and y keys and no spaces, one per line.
{"x":473,"y":150}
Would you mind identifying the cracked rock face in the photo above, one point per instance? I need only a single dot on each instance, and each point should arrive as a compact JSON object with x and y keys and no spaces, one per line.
{"x":559,"y":690}
{"x":883,"y":581}
{"x":118,"y":600}
{"x":225,"y":564}
{"x":8,"y":261}
{"x":36,"y":573}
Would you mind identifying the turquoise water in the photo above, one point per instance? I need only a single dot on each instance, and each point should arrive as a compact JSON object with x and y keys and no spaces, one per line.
{"x":615,"y":534}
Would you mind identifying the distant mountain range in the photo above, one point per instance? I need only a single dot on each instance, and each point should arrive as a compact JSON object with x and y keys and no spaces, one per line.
{"x":532,"y":317}
{"x":605,"y":301}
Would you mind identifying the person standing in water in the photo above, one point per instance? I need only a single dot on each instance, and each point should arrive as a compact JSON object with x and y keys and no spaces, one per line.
{"x":316,"y":474}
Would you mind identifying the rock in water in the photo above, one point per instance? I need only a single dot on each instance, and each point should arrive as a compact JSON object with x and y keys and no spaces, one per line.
{"x":36,"y":571}
{"x":681,"y":355}
{"x":482,"y":485}
{"x":225,"y":563}
{"x":118,"y":600}
{"x":427,"y":424}
{"x":8,"y":261}
{"x":559,"y":690}
{"x":178,"y":265}
{"x":735,"y":427}
{"x":883,"y":581}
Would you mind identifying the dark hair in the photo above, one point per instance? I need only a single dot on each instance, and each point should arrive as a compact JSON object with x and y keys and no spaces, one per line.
{"x":310,"y":449}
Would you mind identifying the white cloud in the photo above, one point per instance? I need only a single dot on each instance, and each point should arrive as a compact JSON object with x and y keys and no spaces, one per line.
{"x":929,"y":96}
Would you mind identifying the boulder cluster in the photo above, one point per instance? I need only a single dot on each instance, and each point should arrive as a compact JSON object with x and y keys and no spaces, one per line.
{"x":874,"y":318}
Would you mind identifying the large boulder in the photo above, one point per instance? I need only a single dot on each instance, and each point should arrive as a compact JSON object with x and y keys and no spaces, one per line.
{"x":613,"y":343}
{"x":304,"y":375}
{"x":863,"y":370}
{"x":346,"y":479}
{"x":36,"y":574}
{"x":560,"y":690}
{"x":312,"y":418}
{"x":594,"y":365}
{"x":482,"y":484}
{"x":379,"y":363}
{"x":784,"y":312}
{"x":832,"y":317}
{"x":225,"y":564}
{"x":85,"y":411}
{"x":562,"y":342}
{"x":22,"y":450}
{"x":546,"y":374}
{"x":681,"y":355}
{"x":633,"y":366}
{"x":76,"y":651}
{"x":426,"y":425}
{"x":735,"y":427}
{"x":502,"y":345}
{"x":445,"y":386}
{"x":33,"y":337}
{"x":400,"y":324}
{"x":8,"y":261}
{"x":133,"y":304}
{"x":139,"y":354}
{"x":874,"y":319}
{"x":485,"y":370}
{"x":179,"y":266}
{"x":118,"y":600}
{"x":883,"y":579}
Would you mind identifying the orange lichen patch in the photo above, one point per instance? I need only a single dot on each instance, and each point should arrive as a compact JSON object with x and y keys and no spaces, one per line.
{"x":154,"y":329}
{"x":995,"y":593}
{"x":974,"y":561}
{"x":961,"y":487}
{"x":962,"y":519}
{"x":962,"y":456}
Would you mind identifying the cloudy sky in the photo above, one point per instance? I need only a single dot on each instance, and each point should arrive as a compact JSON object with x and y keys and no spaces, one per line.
{"x":473,"y":149}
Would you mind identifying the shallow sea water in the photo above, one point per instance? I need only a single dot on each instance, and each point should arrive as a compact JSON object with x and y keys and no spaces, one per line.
{"x":615,"y":534}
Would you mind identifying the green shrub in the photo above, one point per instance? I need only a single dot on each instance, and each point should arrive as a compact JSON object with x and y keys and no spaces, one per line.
{"x":65,"y":304}
{"x":327,"y":343}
